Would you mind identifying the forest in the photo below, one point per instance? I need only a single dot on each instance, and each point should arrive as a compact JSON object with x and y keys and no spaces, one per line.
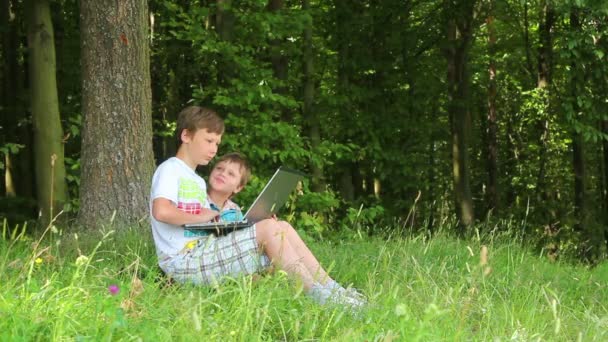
{"x":409,"y":116}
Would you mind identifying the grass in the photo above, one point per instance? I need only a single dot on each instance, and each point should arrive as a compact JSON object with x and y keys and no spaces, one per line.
{"x":439,"y":289}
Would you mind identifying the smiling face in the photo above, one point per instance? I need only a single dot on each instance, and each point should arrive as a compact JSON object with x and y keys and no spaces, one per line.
{"x":198,"y":148}
{"x":226,"y":177}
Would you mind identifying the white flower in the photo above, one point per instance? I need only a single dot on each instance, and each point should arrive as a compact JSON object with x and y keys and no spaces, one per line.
{"x":81,"y":260}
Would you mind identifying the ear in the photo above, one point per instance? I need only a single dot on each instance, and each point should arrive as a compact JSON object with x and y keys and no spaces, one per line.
{"x":237,"y":190}
{"x":186,"y":136}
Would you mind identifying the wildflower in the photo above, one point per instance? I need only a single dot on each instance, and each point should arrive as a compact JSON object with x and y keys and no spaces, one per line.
{"x":113,"y":289}
{"x":81,"y":260}
{"x":401,"y":310}
{"x":38,"y":261}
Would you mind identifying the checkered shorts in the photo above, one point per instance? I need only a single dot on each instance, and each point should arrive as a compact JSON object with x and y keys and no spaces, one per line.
{"x":214,"y":258}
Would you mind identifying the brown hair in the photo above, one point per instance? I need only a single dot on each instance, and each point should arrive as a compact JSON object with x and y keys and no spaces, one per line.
{"x":193,"y":118}
{"x":235,"y":157}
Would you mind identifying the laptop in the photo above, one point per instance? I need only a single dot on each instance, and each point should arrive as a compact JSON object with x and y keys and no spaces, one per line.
{"x":269,"y":201}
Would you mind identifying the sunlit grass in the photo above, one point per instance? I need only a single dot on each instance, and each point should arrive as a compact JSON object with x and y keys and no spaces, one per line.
{"x":106,"y":285}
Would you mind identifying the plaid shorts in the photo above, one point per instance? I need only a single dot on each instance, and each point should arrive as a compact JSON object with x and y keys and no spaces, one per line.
{"x":214,"y":258}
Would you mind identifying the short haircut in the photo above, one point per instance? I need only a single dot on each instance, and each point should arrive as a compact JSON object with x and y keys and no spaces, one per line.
{"x":193,"y":118}
{"x":235,"y":157}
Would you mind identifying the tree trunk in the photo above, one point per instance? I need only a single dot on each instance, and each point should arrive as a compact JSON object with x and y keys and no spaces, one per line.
{"x":9,"y":65}
{"x":279,"y":61}
{"x":308,"y":112}
{"x":590,"y":244}
{"x":605,"y":187}
{"x":117,"y":160}
{"x":529,"y":65}
{"x":492,"y":126}
{"x":432,"y":179}
{"x":224,"y":26}
{"x":48,"y":145}
{"x":545,"y":62}
{"x":343,"y":16}
{"x":459,"y":36}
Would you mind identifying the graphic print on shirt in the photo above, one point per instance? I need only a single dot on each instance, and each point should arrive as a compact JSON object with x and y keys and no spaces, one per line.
{"x":190,"y":199}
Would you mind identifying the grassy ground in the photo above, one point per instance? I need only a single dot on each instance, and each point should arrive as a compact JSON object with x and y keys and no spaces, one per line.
{"x":439,"y":289}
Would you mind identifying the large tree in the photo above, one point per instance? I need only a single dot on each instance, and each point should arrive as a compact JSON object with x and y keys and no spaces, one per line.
{"x":459,"y":38}
{"x":48,"y":135}
{"x":117,"y":160}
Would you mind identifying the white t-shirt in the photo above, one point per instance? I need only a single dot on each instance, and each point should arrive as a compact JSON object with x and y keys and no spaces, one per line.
{"x":177,"y":182}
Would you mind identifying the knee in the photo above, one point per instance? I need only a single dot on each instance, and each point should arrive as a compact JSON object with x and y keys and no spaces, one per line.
{"x":266,"y":229}
{"x":287,"y":228}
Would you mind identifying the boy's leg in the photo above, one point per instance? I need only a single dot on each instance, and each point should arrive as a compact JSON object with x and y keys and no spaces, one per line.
{"x":306,"y":256}
{"x":273,"y":239}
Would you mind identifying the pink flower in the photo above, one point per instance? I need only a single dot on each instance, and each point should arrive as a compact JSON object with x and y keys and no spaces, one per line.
{"x":113,"y":289}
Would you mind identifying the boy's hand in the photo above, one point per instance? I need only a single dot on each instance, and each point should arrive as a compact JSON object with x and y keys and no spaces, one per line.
{"x":164,"y":210}
{"x":207,"y":215}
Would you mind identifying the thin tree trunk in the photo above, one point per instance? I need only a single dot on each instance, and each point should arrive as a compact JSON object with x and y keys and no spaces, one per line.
{"x":605,"y":183}
{"x":459,"y":36}
{"x":591,"y":237}
{"x":9,"y":63}
{"x":432,"y":179}
{"x":117,"y":159}
{"x":308,"y":110}
{"x":529,"y":65}
{"x":48,"y":145}
{"x":545,"y":62}
{"x":510,"y":165}
{"x":224,"y":26}
{"x":492,"y":126}
{"x":343,"y":15}
{"x":279,"y":61}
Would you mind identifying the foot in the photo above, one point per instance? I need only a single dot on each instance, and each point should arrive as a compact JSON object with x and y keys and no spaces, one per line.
{"x":335,"y":296}
{"x":349,"y":291}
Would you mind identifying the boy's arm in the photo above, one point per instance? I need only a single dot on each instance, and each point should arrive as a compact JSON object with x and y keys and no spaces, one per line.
{"x":165,"y":211}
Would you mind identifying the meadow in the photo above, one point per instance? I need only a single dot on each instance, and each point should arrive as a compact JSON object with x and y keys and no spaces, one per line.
{"x":105,"y":285}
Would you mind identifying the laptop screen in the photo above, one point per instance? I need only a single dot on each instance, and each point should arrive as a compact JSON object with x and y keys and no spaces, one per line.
{"x":274,"y":195}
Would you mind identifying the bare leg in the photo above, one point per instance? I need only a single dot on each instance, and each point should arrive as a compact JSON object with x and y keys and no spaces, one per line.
{"x":306,"y":256}
{"x":273,"y":239}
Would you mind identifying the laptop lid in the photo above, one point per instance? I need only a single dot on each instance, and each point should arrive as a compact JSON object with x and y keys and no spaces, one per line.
{"x":274,"y":195}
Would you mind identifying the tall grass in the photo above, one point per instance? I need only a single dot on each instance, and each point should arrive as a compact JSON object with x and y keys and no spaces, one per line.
{"x":420,"y":289}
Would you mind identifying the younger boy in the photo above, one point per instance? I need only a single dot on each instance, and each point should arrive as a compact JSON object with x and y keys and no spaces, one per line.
{"x":228,"y":177}
{"x":179,"y":196}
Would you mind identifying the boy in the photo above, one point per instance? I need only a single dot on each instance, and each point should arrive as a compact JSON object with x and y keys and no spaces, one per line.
{"x":228,"y":177}
{"x":179,"y":196}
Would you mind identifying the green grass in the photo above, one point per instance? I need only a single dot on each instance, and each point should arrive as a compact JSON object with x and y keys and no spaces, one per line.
{"x":419,"y":289}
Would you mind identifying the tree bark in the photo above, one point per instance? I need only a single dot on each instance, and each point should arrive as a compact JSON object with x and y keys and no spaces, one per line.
{"x":529,"y":65}
{"x":117,"y":160}
{"x":224,"y":26}
{"x":308,"y":111}
{"x":459,"y":36}
{"x":343,"y":15}
{"x":492,"y":124}
{"x":279,"y":61}
{"x":9,"y":65}
{"x":605,"y":183}
{"x":545,"y":63}
{"x":48,"y":135}
{"x":590,"y":236}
